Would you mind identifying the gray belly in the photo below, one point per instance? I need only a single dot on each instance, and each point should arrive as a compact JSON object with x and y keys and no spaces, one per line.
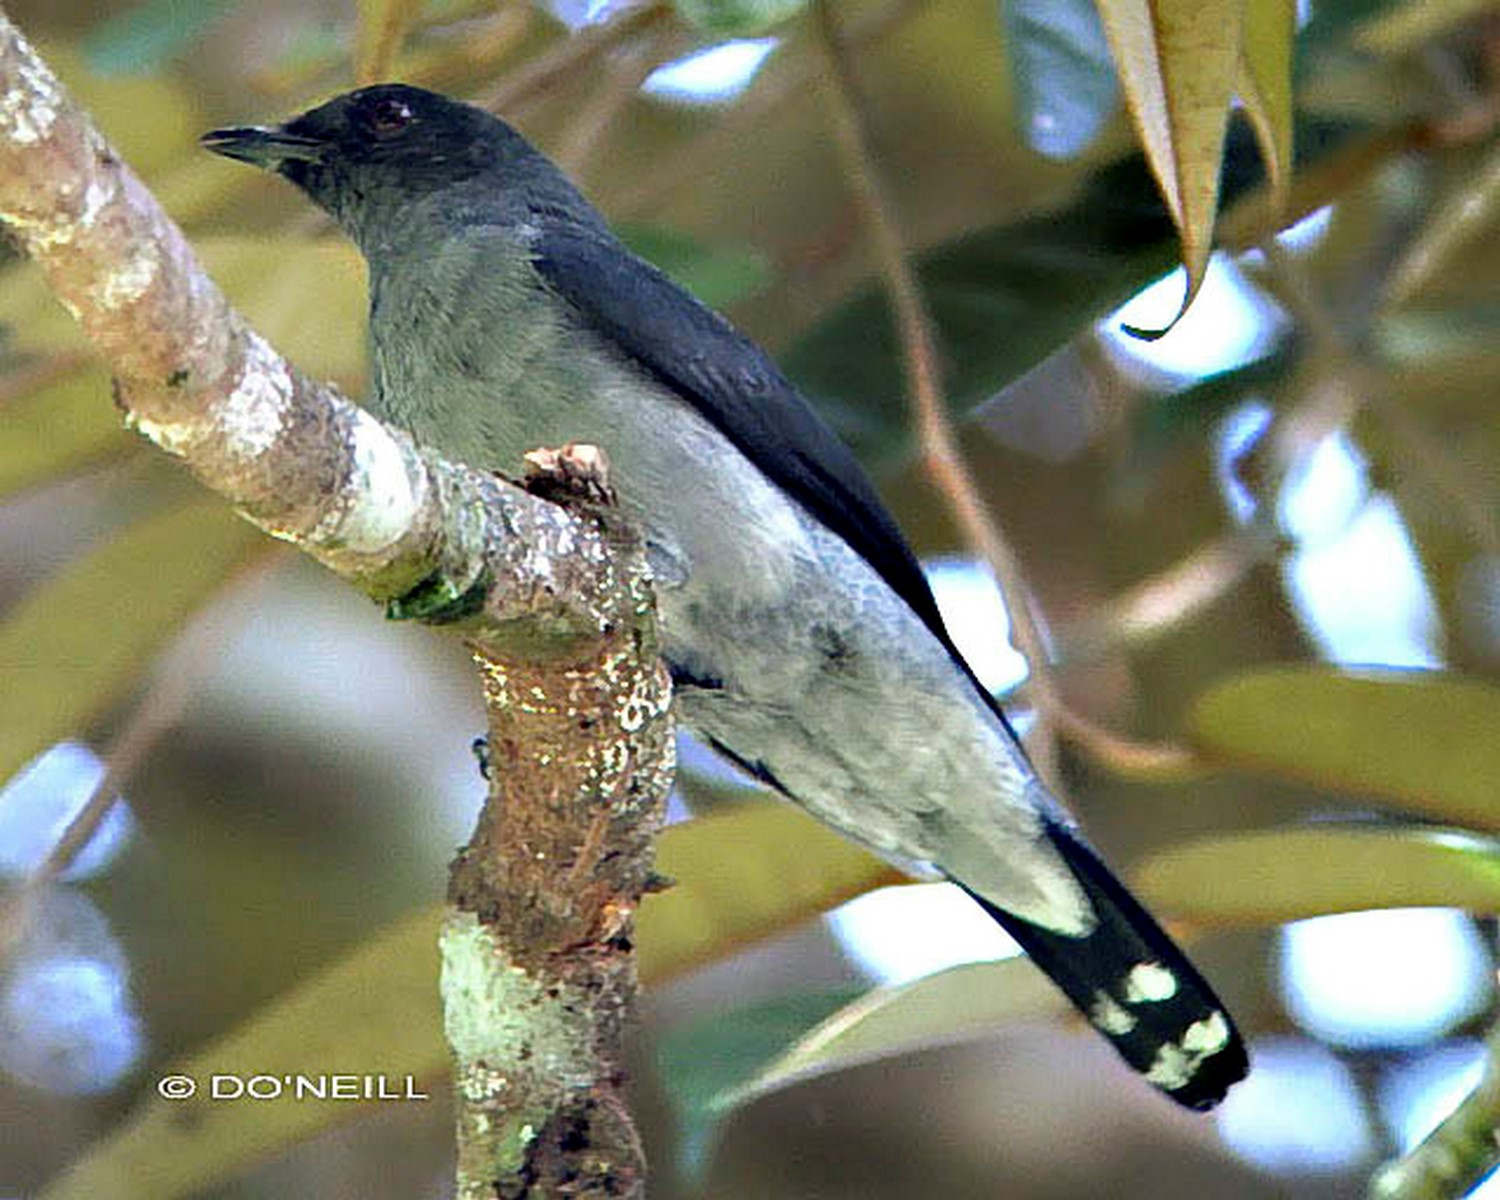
{"x":791,"y":653}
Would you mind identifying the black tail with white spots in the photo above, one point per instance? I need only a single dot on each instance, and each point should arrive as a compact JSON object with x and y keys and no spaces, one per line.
{"x":1135,"y":986}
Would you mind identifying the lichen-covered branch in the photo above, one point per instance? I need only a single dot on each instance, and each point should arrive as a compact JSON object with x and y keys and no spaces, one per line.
{"x":297,"y":458}
{"x":1451,"y":1160}
{"x":542,"y":925}
{"x":538,"y":969}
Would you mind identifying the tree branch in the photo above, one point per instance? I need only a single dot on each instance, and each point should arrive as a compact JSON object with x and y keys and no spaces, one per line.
{"x":1451,"y":1160}
{"x":538,"y":969}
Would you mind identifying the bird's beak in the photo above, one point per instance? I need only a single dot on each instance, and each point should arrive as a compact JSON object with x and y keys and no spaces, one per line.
{"x":262,"y":145}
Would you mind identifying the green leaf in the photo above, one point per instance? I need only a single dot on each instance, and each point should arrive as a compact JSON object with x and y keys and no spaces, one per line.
{"x":1288,"y":875}
{"x":717,"y":275}
{"x":307,"y":296}
{"x":1001,"y":299}
{"x":1403,"y":28}
{"x":737,"y":18}
{"x":704,"y":1064}
{"x":1064,"y":81}
{"x":1427,"y":743}
{"x":954,"y":1005}
{"x":148,"y":36}
{"x":59,"y":428}
{"x":376,"y":1011}
{"x":743,"y":874}
{"x":712,"y":1066}
{"x":1265,"y":84}
{"x":1004,"y":299}
{"x":73,"y":645}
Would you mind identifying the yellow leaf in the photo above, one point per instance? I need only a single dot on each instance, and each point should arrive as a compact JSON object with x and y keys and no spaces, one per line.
{"x":950,"y":1006}
{"x":149,"y":119}
{"x":1405,"y":27}
{"x":741,"y":875}
{"x":1177,"y":61}
{"x":382,"y":29}
{"x":1265,"y":85}
{"x":71,"y":646}
{"x":59,"y":428}
{"x":1288,"y":875}
{"x":375,"y":1011}
{"x":307,"y":296}
{"x":1428,"y":743}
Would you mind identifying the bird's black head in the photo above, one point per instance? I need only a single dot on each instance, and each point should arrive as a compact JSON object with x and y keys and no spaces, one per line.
{"x":366,"y":156}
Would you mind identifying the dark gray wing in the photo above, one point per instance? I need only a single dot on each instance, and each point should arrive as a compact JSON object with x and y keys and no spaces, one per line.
{"x":734,"y":384}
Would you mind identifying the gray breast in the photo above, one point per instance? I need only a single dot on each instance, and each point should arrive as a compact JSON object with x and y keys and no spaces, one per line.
{"x":817,"y":672}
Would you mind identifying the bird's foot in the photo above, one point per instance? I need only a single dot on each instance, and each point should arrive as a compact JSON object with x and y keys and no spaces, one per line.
{"x":576,"y":471}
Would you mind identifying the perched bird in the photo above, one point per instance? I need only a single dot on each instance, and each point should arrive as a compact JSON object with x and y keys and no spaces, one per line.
{"x":802,"y":637}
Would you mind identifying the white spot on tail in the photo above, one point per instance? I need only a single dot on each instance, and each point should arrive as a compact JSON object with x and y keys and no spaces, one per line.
{"x":1177,"y":1062}
{"x":1207,"y":1036}
{"x":1149,"y":982}
{"x":1109,"y":1016}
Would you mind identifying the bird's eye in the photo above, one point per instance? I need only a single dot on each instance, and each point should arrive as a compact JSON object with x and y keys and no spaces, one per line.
{"x":388,"y":116}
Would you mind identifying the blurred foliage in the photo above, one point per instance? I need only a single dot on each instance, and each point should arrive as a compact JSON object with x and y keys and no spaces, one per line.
{"x":1289,"y":874}
{"x":746,"y":874}
{"x":1032,"y":209}
{"x":1422,"y":744}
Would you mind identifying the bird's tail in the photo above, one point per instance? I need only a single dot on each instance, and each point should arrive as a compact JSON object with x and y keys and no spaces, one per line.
{"x":1134,"y":985}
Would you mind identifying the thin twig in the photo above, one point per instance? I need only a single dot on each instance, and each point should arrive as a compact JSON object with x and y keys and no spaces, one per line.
{"x":621,"y":85}
{"x":778,"y":87}
{"x":1160,"y":603}
{"x":1360,"y":387}
{"x":1156,"y":762}
{"x":572,"y":54}
{"x":940,"y":454}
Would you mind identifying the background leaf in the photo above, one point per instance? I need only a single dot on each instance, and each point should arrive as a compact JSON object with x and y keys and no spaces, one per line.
{"x":58,"y":429}
{"x":704,"y":1064}
{"x":1064,"y":79}
{"x":382,"y":29}
{"x":958,"y":1004}
{"x":1177,"y":61}
{"x":737,"y":18}
{"x":741,"y":875}
{"x":376,"y":1006}
{"x":1427,"y":743}
{"x":718,"y":276}
{"x":75,"y":643}
{"x":144,"y":38}
{"x":1288,"y":875}
{"x":1265,"y":83}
